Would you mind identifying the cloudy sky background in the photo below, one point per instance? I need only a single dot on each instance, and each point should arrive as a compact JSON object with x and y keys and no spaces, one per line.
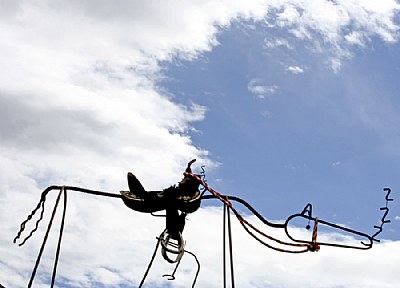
{"x":285,"y":102}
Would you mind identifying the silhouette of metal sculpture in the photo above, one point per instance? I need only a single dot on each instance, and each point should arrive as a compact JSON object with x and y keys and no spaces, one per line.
{"x":184,"y":198}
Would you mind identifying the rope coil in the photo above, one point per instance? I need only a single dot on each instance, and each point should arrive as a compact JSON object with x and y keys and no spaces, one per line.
{"x":179,"y":247}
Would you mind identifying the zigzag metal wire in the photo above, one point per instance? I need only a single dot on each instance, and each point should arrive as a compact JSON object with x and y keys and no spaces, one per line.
{"x":203,"y":177}
{"x":383,"y":220}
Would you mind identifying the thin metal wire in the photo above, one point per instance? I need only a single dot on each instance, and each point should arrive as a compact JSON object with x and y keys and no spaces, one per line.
{"x":40,"y":206}
{"x":151,"y":262}
{"x":198,"y":267}
{"x":53,"y":278}
{"x":383,"y":219}
{"x":44,"y":240}
{"x":246,"y":225}
{"x":223,"y":245}
{"x":230,"y":247}
{"x":171,"y":277}
{"x":42,"y":201}
{"x":307,"y":210}
{"x":227,"y":219}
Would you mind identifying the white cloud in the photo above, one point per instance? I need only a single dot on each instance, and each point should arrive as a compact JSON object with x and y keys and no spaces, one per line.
{"x":336,"y":26}
{"x":295,"y":69}
{"x":262,"y":91}
{"x":79,"y":106}
{"x":355,"y":38}
{"x":80,"y":83}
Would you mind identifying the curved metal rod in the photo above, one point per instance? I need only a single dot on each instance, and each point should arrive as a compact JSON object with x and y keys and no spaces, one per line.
{"x":249,"y":207}
{"x":151,"y":262}
{"x":40,"y":206}
{"x":303,"y":215}
{"x":172,"y":276}
{"x":348,"y":230}
{"x":197,"y":262}
{"x":198,"y":267}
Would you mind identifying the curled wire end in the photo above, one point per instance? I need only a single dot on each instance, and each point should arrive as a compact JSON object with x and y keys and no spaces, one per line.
{"x":171,"y":277}
{"x":369,"y":245}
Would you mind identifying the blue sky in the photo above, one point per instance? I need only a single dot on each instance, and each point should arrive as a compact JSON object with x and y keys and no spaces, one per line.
{"x":320,"y":136}
{"x":284,"y":102}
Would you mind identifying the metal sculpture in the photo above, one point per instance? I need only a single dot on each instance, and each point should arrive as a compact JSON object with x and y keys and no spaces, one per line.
{"x":184,"y":198}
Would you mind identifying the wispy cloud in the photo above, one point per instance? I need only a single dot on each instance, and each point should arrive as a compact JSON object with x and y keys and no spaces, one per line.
{"x":277,"y":43}
{"x":336,"y":26}
{"x":256,"y":87}
{"x":295,"y":69}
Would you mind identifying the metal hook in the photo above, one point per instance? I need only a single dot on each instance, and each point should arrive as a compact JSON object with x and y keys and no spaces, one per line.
{"x":172,"y":276}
